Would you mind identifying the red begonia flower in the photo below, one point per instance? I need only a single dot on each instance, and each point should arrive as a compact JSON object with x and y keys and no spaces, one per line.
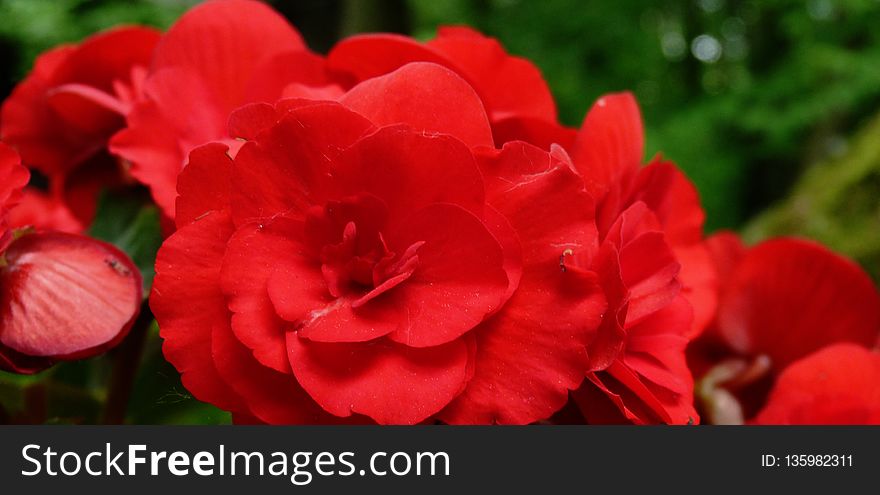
{"x":517,"y":99}
{"x":62,"y":296}
{"x":835,"y":385}
{"x":782,"y":301}
{"x":218,"y":56}
{"x":365,"y":260}
{"x":61,"y":117}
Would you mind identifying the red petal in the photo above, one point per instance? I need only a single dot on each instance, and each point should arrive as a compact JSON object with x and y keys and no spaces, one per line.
{"x":655,"y":352}
{"x":835,"y":385}
{"x":179,"y":115}
{"x":541,"y":133}
{"x":104,"y":59}
{"x":634,"y":403}
{"x":55,"y":131}
{"x":270,"y":396}
{"x":188,"y":304}
{"x":638,"y":274}
{"x":648,"y":266}
{"x":299,"y":293}
{"x":510,"y":86}
{"x":16,"y":362}
{"x":272,"y":77}
{"x":674,"y":199}
{"x":408,"y":171}
{"x":224,"y":43}
{"x":43,"y":212}
{"x":533,"y":351}
{"x":510,"y":246}
{"x":81,"y":189}
{"x":610,"y":337}
{"x":788,"y":298}
{"x":66,"y":296}
{"x":610,"y":145}
{"x":699,"y":284}
{"x":205,"y":183}
{"x":253,"y":253}
{"x":319,"y":317}
{"x":726,"y":250}
{"x":13,"y":178}
{"x":391,"y":383}
{"x":249,"y":120}
{"x":366,"y":56}
{"x":290,"y":162}
{"x":426,"y":96}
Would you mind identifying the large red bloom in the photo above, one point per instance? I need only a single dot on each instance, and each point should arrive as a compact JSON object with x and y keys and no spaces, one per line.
{"x":62,"y":296}
{"x":378,"y":257}
{"x":62,"y":115}
{"x":656,"y":272}
{"x":783,"y":300}
{"x":220,"y":55}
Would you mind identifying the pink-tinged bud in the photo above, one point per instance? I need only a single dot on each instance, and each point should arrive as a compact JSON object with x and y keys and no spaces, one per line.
{"x":64,"y":297}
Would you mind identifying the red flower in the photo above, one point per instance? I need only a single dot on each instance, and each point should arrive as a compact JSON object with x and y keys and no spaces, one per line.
{"x":763,"y":308}
{"x":835,"y":385}
{"x":655,"y":270}
{"x":784,"y":300}
{"x":220,"y":55}
{"x":62,"y":296}
{"x":62,"y":115}
{"x":378,"y":257}
{"x":516,"y":97}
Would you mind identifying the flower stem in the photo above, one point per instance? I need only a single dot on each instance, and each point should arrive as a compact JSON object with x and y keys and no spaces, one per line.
{"x":126,"y":360}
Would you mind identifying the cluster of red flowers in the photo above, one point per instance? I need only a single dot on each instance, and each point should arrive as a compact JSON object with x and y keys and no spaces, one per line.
{"x":403,"y":232}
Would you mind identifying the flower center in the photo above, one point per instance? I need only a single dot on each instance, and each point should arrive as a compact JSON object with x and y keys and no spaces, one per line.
{"x":356,"y":261}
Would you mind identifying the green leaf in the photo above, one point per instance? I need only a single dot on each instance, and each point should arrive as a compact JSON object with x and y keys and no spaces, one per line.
{"x":130,"y":223}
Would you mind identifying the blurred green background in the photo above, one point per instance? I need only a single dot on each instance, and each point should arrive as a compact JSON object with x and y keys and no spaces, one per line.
{"x":772,"y":107}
